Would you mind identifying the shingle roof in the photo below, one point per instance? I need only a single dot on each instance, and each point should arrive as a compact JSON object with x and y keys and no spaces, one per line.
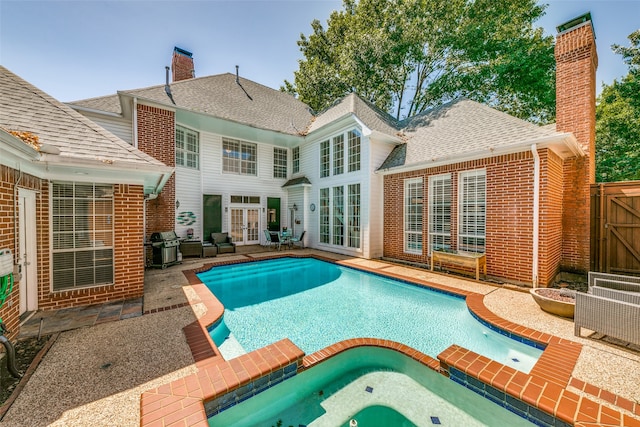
{"x":246,"y":102}
{"x":296,"y":181}
{"x":109,"y":103}
{"x":459,"y":127}
{"x":369,"y":114}
{"x":24,"y":107}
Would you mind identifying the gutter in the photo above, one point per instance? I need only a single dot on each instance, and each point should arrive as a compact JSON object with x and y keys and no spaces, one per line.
{"x":536,"y":214}
{"x":566,"y":139}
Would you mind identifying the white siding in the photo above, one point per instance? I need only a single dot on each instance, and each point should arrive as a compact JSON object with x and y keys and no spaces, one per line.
{"x":297,"y":197}
{"x":310,"y":167}
{"x":379,"y":152}
{"x":189,"y":195}
{"x":122,"y":128}
{"x":215,"y":181}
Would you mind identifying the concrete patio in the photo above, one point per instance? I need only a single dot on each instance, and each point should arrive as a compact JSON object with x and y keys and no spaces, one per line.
{"x":93,"y":375}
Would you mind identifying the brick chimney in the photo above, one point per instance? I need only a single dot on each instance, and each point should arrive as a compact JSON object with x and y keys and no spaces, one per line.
{"x":182,"y":65}
{"x":576,"y":63}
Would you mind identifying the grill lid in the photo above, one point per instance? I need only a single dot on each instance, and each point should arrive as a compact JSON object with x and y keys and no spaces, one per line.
{"x":164,"y":236}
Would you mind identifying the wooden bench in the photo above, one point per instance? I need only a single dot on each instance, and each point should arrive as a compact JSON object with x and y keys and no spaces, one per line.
{"x":461,"y":259}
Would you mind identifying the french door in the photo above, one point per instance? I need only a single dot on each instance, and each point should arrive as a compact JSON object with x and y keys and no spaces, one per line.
{"x":245,"y":226}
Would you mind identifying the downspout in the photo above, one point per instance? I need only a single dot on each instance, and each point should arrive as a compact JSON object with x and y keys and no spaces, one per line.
{"x":135,"y":122}
{"x":536,"y":213}
{"x":16,"y":249}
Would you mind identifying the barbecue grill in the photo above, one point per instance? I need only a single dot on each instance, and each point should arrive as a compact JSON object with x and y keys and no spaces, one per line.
{"x":164,"y":246}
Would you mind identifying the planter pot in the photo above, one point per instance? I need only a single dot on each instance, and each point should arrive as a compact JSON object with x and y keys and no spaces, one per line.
{"x":551,"y":305}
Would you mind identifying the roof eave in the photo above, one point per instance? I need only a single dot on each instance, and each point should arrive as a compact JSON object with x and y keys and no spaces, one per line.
{"x":14,"y":145}
{"x":80,"y":108}
{"x":152,"y":177}
{"x":565,"y":145}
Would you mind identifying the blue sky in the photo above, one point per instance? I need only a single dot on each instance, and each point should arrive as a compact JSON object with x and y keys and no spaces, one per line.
{"x":82,"y":49}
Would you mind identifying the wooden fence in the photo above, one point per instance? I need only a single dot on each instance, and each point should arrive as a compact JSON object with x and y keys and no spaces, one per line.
{"x":615,"y":227}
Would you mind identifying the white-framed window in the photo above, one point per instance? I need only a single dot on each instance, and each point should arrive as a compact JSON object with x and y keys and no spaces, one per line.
{"x":472,"y":207}
{"x":413,"y":205}
{"x":187,"y":148}
{"x":353,"y":206}
{"x":295,"y":154}
{"x":338,"y":216}
{"x":279,"y":162}
{"x":440,"y":195}
{"x":354,"y":150}
{"x":338,"y":154}
{"x":239,"y":157}
{"x":325,"y":158}
{"x":324,"y":212}
{"x":82,"y":235}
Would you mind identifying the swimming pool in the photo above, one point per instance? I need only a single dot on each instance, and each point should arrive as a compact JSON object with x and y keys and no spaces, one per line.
{"x":374,"y":386}
{"x":316,"y":303}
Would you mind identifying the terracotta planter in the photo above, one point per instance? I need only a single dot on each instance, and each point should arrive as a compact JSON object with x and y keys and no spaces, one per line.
{"x":553,"y":306}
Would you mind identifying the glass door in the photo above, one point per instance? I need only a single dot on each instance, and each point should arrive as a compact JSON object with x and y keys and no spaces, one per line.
{"x":245,"y":226}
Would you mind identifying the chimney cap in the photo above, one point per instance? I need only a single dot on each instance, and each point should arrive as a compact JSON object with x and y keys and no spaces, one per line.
{"x":181,"y":51}
{"x":569,"y":25}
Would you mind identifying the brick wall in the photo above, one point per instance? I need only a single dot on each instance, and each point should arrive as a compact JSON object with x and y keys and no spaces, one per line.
{"x":9,"y":312}
{"x":577,"y":60}
{"x":128,"y":257}
{"x":156,"y":137}
{"x":509,"y":232}
{"x":550,"y":225}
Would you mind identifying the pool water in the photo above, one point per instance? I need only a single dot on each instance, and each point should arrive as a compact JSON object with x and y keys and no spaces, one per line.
{"x":316,"y":304}
{"x":376,"y":387}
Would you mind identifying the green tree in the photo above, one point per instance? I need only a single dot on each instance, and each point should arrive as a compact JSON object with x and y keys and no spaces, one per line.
{"x":406,"y":56}
{"x":618,"y":121}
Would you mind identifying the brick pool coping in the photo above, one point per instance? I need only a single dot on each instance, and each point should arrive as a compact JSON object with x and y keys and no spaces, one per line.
{"x":544,"y":389}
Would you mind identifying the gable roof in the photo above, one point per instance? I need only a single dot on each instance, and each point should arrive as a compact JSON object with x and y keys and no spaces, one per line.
{"x":244,"y":102}
{"x":462,"y":128}
{"x":370,"y":115}
{"x":109,"y":104}
{"x":66,"y":136}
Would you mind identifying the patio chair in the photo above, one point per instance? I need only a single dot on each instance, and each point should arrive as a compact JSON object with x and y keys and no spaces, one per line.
{"x":274,"y":239}
{"x":223,"y":243}
{"x":611,"y":307}
{"x":614,"y":281}
{"x":298,"y":240}
{"x":267,"y":237}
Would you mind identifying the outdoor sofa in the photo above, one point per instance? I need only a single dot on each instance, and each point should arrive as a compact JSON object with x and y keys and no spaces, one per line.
{"x":611,"y":307}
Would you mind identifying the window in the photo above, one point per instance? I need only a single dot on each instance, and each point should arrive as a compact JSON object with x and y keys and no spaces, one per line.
{"x":324,"y":215}
{"x":338,"y":216}
{"x":413,"y":201}
{"x":473,"y":211}
{"x":354,"y":216}
{"x":279,"y":163}
{"x":239,"y":157}
{"x":337,"y":227}
{"x":338,"y":154}
{"x":82,"y":232}
{"x":354,"y":150}
{"x":295,"y":154}
{"x":439,"y":212}
{"x":324,"y":159}
{"x":245,"y":199}
{"x":187,"y":148}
